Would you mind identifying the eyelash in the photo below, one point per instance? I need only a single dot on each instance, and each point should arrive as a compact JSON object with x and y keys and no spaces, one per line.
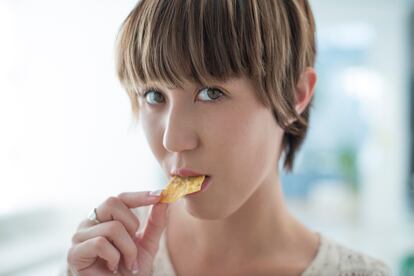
{"x":153,"y":89}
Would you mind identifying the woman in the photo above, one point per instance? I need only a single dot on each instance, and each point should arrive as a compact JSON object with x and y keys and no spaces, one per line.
{"x":222,"y":89}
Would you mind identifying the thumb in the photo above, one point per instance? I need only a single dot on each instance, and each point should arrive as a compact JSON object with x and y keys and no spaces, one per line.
{"x":157,"y":221}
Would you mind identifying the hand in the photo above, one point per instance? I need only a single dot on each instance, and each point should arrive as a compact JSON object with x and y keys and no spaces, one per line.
{"x":114,"y":246}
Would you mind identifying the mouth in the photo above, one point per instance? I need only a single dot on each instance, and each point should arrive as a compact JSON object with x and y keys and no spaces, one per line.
{"x":204,"y":186}
{"x":184,"y":172}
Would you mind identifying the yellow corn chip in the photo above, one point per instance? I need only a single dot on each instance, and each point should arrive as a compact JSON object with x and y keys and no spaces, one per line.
{"x":180,"y":186}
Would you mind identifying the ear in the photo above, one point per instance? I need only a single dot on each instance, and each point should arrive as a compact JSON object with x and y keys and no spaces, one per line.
{"x":304,"y":90}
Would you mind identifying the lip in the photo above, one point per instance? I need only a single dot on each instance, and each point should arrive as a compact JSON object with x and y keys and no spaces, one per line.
{"x":204,"y":186}
{"x":184,"y":172}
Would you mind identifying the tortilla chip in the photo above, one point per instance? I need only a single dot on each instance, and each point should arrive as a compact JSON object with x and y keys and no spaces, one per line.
{"x":181,"y":186}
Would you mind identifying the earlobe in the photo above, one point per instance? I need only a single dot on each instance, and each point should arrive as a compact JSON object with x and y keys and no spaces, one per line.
{"x":305,"y":88}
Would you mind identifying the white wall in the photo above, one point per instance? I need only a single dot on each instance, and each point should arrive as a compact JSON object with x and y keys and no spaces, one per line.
{"x":66,"y":139}
{"x":66,"y":133}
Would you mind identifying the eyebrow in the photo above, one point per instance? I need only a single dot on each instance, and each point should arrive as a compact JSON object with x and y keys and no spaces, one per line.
{"x":154,"y":85}
{"x":143,"y":88}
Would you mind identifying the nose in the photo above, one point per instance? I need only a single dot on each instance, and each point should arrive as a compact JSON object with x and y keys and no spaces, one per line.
{"x":179,"y":131}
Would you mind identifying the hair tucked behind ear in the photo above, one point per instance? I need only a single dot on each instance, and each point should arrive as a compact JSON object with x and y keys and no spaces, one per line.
{"x":303,"y":24}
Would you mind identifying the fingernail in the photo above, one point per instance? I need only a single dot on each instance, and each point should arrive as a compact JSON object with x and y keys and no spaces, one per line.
{"x":135,"y":268}
{"x":115,"y":271}
{"x":155,"y":193}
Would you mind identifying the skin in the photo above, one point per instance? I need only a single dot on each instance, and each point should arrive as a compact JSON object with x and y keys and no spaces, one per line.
{"x":115,"y":245}
{"x":237,"y":142}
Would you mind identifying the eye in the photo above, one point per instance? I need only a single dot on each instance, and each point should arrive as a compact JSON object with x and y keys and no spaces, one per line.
{"x":210,"y":94}
{"x":152,"y":96}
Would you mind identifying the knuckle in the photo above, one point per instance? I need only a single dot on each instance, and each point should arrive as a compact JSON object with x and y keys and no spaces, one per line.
{"x":75,"y":238}
{"x":115,"y":227}
{"x":122,"y":195}
{"x":112,"y":201}
{"x":99,"y":243}
{"x":116,"y":259}
{"x":84,"y":223}
{"x":117,"y":255}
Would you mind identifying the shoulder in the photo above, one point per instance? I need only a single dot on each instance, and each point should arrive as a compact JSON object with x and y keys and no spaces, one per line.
{"x":335,"y":259}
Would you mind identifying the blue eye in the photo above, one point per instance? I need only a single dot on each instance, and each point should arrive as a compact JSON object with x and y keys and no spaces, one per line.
{"x":210,"y":94}
{"x":153,"y":97}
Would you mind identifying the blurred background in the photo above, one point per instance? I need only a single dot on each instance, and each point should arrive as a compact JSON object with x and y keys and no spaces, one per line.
{"x":67,"y":141}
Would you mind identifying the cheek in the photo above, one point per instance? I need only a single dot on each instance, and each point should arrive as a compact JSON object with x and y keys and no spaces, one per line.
{"x":244,"y":145}
{"x":153,"y":134}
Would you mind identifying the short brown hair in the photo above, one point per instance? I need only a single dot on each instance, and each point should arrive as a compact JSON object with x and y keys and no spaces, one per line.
{"x":270,"y":41}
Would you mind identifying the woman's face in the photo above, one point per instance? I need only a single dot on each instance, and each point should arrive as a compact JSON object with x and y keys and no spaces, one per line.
{"x":222,"y":131}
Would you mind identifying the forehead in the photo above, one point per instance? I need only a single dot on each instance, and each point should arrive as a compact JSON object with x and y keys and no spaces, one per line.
{"x":155,"y":84}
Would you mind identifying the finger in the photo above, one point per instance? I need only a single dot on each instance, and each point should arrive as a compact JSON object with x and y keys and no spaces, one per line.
{"x":118,"y":208}
{"x":115,"y":209}
{"x":157,"y":222}
{"x":84,"y":254}
{"x":138,"y":199}
{"x":116,"y":233}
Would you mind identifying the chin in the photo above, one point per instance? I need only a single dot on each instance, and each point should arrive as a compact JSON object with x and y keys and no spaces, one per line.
{"x":205,"y":211}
